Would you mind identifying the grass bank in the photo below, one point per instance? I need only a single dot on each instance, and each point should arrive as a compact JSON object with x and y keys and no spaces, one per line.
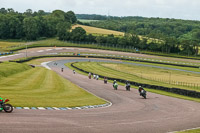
{"x":10,"y":68}
{"x":39,"y":87}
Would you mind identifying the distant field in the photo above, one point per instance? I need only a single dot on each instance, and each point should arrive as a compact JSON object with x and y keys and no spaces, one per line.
{"x":39,"y":87}
{"x":86,"y":20}
{"x":99,"y":31}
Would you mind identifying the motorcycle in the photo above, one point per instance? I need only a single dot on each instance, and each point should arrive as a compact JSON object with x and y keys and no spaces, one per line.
{"x":143,"y":93}
{"x":8,"y":108}
{"x":105,"y":81}
{"x":115,"y":86}
{"x":128,"y":86}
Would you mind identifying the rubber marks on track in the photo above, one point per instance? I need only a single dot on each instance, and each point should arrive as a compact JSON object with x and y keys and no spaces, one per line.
{"x":65,"y":108}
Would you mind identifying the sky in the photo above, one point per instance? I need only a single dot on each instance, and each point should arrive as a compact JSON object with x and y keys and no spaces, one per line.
{"x":179,"y":9}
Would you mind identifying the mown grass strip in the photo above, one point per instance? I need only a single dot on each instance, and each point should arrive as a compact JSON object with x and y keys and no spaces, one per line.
{"x":39,"y":87}
{"x":8,"y":68}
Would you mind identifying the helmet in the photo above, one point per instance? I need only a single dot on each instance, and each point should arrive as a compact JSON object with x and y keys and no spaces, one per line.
{"x":140,"y":86}
{"x":115,"y":80}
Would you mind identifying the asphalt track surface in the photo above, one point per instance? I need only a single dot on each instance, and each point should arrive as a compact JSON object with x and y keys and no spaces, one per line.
{"x":129,"y":112}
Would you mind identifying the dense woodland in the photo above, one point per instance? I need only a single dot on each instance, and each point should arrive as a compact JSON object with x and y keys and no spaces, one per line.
{"x":33,"y":25}
{"x":172,"y":36}
{"x":178,"y":36}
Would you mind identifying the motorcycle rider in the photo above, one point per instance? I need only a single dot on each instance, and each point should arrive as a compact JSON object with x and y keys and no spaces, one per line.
{"x":114,"y":82}
{"x":128,"y":85}
{"x":105,"y":80}
{"x":1,"y":101}
{"x":140,"y":89}
{"x":89,"y":75}
{"x":115,"y":85}
{"x":97,"y":77}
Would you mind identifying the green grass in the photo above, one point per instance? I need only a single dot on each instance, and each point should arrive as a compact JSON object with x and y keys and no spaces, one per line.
{"x":190,"y":131}
{"x":4,"y":44}
{"x":39,"y":87}
{"x":140,"y":74}
{"x":10,"y":68}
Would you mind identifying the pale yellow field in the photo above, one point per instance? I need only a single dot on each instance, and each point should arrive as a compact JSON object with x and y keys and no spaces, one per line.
{"x":99,"y":31}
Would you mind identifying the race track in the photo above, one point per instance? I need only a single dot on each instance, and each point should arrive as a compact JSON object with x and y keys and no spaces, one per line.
{"x":129,"y":112}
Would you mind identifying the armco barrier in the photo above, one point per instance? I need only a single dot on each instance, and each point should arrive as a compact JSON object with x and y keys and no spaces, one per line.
{"x":179,"y":91}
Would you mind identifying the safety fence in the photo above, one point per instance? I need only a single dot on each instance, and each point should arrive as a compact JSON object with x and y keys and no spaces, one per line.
{"x":171,"y":82}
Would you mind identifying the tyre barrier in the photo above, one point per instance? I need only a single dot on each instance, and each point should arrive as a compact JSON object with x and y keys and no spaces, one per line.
{"x":6,"y":53}
{"x":179,"y":91}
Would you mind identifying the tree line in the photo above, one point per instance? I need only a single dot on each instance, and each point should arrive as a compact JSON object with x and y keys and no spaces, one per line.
{"x":79,"y":35}
{"x":172,"y":35}
{"x":33,"y":25}
{"x":178,"y":36}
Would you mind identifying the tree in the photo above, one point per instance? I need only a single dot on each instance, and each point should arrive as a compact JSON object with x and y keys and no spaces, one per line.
{"x":100,"y":39}
{"x":196,"y":38}
{"x":28,"y":12}
{"x":31,"y":28}
{"x":122,"y":41}
{"x":90,"y":38}
{"x":111,"y":39}
{"x":3,"y":11}
{"x":71,"y":17}
{"x":187,"y":46}
{"x":59,"y":14}
{"x":4,"y":29}
{"x":63,"y":30}
{"x":78,"y":34}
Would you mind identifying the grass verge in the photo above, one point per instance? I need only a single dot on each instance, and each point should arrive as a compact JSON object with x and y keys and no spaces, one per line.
{"x":190,"y":131}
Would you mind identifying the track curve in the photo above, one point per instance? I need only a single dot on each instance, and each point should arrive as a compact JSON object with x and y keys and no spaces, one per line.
{"x":129,"y":112}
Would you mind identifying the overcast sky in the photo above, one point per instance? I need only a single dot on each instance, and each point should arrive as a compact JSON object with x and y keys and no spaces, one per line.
{"x":181,"y":9}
